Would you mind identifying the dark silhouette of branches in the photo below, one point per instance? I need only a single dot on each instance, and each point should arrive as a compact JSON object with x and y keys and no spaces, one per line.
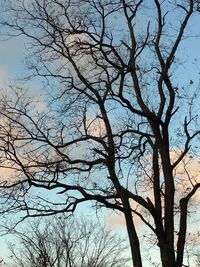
{"x":117,"y":123}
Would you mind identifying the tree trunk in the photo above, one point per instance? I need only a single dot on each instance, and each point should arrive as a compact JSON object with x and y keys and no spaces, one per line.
{"x":132,"y":235}
{"x":167,"y":257}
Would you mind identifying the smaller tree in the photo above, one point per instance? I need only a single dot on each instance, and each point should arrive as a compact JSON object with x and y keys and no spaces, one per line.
{"x":67,"y":243}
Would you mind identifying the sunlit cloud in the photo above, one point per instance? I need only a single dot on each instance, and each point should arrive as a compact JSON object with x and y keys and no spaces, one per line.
{"x":117,"y":221}
{"x":186,"y":174}
{"x":96,"y":127}
{"x":114,"y":220}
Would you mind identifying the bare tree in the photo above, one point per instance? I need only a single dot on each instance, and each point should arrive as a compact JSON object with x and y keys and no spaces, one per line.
{"x":67,"y":243}
{"x":121,"y":123}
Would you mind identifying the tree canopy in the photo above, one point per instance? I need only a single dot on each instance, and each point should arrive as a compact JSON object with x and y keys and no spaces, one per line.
{"x":57,"y":242}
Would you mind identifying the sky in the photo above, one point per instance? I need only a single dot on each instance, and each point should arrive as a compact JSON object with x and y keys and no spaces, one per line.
{"x":11,"y":57}
{"x":12,"y":68}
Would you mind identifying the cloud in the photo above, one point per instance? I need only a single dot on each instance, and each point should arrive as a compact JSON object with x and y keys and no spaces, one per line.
{"x":96,"y":127}
{"x":12,"y":52}
{"x":6,"y":174}
{"x":40,"y":106}
{"x":186,"y":174}
{"x":114,"y":220}
{"x":4,"y":78}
